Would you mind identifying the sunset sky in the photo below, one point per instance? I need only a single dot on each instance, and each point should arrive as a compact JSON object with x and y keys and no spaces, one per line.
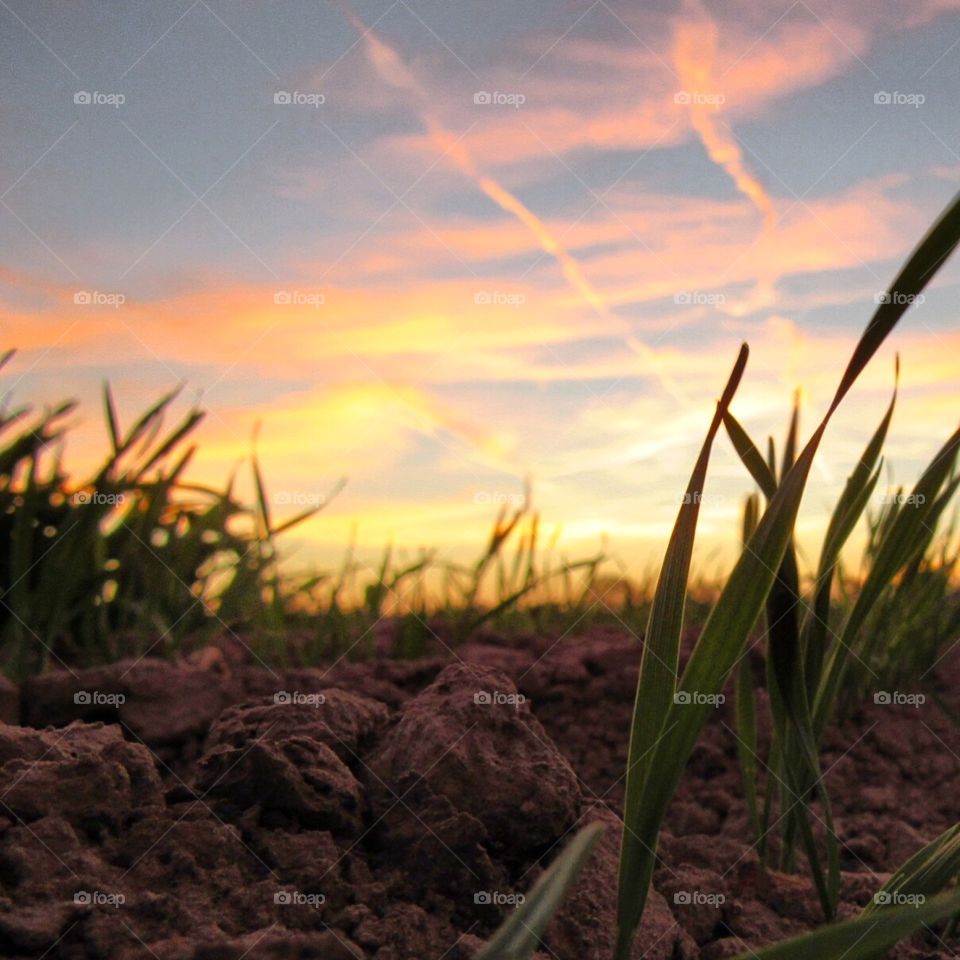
{"x":481,"y":242}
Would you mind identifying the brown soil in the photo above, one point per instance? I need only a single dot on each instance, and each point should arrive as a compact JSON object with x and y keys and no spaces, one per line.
{"x":395,"y":810}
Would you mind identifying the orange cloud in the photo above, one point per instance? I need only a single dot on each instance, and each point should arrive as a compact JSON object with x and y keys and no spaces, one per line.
{"x":694,"y":53}
{"x":623,"y":97}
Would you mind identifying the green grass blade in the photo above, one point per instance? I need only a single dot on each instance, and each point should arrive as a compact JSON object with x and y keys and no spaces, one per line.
{"x":907,"y":535}
{"x":295,"y":520}
{"x":110,"y":415}
{"x":750,"y":456}
{"x":794,"y":729}
{"x":866,"y":937}
{"x":849,"y":509}
{"x":146,"y":420}
{"x":930,"y":254}
{"x":925,"y":532}
{"x":746,"y":706}
{"x":263,"y":506}
{"x":817,"y":626}
{"x":659,"y":662}
{"x":747,"y":742}
{"x":739,"y":605}
{"x":519,"y":935}
{"x":925,"y":874}
{"x":789,"y":701}
{"x":790,"y":447}
{"x":187,"y":426}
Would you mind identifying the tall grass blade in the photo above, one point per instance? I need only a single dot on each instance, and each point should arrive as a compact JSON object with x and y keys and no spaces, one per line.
{"x":657,"y":681}
{"x":747,"y":741}
{"x":907,"y":535}
{"x":925,"y":874}
{"x":866,"y":937}
{"x":746,"y":707}
{"x":110,"y":415}
{"x":928,"y":257}
{"x":519,"y":935}
{"x":856,"y":494}
{"x":751,"y":457}
{"x":739,"y":605}
{"x":790,"y":447}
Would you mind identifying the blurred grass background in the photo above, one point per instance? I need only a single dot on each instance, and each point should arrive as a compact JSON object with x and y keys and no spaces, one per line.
{"x":134,"y":559}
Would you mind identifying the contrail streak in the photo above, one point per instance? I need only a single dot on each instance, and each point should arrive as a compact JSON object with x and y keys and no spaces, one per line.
{"x":391,"y":68}
{"x":694,"y":49}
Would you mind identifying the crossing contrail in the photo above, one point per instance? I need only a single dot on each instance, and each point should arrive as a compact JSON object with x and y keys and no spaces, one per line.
{"x":694,"y":51}
{"x":392,"y":70}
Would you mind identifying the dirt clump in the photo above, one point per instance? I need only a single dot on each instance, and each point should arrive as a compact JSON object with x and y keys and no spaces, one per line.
{"x":388,"y":810}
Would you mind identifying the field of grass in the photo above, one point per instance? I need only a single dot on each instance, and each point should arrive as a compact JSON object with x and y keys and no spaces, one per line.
{"x":134,"y":560}
{"x":808,"y":656}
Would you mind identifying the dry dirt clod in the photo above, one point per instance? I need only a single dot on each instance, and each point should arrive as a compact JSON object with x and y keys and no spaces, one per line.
{"x":472,"y":739}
